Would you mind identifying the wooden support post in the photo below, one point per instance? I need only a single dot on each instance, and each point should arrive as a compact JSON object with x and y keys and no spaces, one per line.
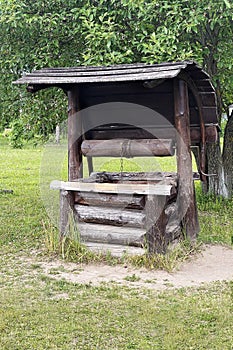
{"x":90,"y":165}
{"x":66,"y":206}
{"x":186,"y":196}
{"x":74,"y":159}
{"x":155,"y":224}
{"x":74,"y":136}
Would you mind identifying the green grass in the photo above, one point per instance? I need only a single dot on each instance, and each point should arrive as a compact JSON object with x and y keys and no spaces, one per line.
{"x":39,"y":312}
{"x":22,"y":212}
{"x":215,"y":217}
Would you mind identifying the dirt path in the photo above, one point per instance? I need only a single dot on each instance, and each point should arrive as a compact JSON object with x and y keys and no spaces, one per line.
{"x":214,"y":263}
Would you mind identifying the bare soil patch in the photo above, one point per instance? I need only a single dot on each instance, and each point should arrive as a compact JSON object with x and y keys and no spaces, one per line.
{"x":213,"y":263}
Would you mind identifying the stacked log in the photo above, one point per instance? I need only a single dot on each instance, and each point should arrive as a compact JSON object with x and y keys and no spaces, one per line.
{"x":128,"y":220}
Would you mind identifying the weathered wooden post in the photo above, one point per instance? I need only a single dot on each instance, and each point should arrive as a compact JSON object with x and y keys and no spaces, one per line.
{"x":75,"y":167}
{"x":186,"y":197}
{"x":155,"y":224}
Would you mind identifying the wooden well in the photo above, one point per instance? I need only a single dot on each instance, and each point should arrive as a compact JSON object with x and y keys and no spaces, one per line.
{"x":133,"y":212}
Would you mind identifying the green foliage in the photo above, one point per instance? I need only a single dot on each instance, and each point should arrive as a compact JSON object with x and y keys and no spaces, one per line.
{"x":17,"y":135}
{"x":69,"y":33}
{"x":39,"y":116}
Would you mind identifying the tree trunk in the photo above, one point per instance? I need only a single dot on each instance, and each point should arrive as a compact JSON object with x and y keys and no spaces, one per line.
{"x":57,"y":137}
{"x":215,"y":170}
{"x":228,"y":155}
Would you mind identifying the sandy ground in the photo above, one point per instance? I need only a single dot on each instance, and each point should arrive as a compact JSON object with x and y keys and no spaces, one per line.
{"x":213,"y":263}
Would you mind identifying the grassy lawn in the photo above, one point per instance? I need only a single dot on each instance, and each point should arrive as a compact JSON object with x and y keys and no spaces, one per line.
{"x":39,"y":312}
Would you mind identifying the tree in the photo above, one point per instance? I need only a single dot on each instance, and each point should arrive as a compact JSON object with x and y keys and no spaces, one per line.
{"x":34,"y":35}
{"x":159,"y":31}
{"x":69,"y":33}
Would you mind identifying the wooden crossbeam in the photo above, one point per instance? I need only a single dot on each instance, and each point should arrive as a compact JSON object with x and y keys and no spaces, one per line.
{"x":121,"y":188}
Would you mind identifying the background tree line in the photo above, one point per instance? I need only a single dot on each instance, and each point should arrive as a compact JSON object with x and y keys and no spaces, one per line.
{"x":90,"y":32}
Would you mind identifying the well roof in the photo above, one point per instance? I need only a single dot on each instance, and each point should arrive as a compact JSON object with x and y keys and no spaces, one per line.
{"x":118,"y":73}
{"x":128,"y":73}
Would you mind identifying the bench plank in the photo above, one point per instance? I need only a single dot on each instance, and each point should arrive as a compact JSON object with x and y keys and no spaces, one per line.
{"x":121,"y":188}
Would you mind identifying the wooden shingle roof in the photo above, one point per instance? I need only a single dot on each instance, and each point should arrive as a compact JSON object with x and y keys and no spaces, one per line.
{"x":91,"y":76}
{"x":117,"y":73}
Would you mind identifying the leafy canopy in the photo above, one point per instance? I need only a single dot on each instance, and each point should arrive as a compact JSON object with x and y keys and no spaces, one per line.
{"x":90,"y":32}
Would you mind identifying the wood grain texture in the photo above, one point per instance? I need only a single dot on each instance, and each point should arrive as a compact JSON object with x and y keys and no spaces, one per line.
{"x":115,"y":249}
{"x":186,"y":198}
{"x":156,"y":221}
{"x":110,"y":216}
{"x":151,"y":132}
{"x":75,"y":169}
{"x":111,"y":234}
{"x":112,"y":200}
{"x":121,"y":188}
{"x":128,"y":76}
{"x":66,"y":208}
{"x":128,"y":148}
{"x":169,"y":178}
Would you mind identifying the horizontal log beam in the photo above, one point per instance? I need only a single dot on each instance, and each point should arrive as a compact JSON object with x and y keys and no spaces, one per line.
{"x":168,"y":178}
{"x":112,"y":200}
{"x":128,"y":148}
{"x":109,"y":216}
{"x":111,"y":234}
{"x":114,"y":249}
{"x":121,"y":188}
{"x":211,"y":132}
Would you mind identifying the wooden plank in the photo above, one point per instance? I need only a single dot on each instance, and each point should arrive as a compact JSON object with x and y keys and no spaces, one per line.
{"x":128,"y":148}
{"x":111,"y":234}
{"x":110,"y":200}
{"x":135,"y":67}
{"x":107,"y":72}
{"x":210,"y":114}
{"x":114,"y":249}
{"x":204,"y":85}
{"x":110,"y":216}
{"x":156,"y":189}
{"x":131,"y":109}
{"x":149,"y":132}
{"x":92,"y":79}
{"x":208,"y":99}
{"x":119,"y":89}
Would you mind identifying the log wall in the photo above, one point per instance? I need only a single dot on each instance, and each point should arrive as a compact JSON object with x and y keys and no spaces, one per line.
{"x":140,"y":221}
